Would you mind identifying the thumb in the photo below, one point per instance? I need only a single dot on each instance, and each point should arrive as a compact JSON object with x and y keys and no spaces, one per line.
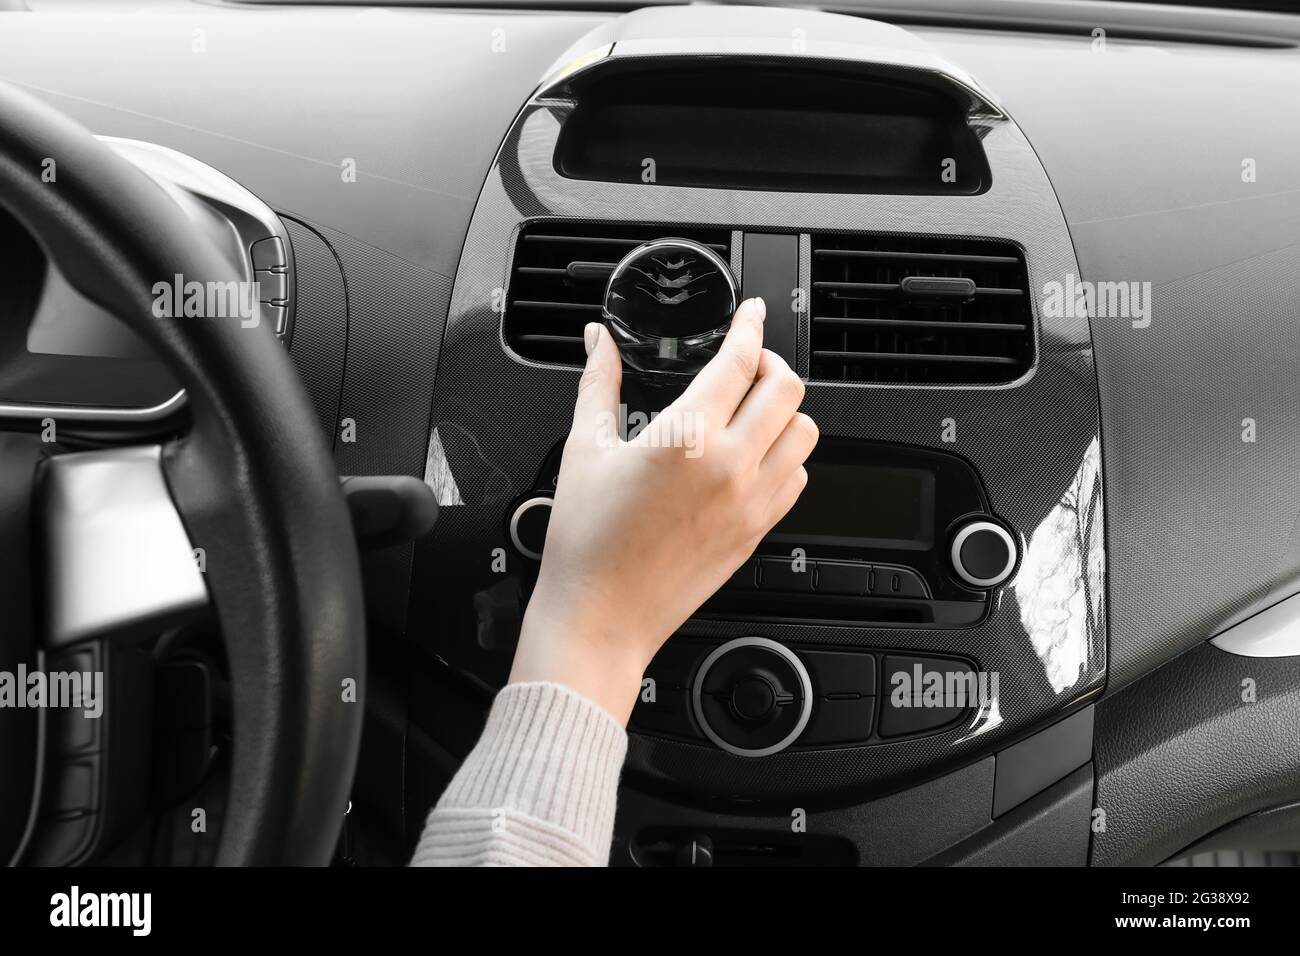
{"x":595,"y":415}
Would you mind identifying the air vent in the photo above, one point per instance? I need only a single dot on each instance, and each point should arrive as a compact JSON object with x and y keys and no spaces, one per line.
{"x":559,"y":276}
{"x":919,"y":311}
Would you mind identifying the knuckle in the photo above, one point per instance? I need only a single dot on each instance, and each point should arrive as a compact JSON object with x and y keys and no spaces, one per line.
{"x":807,"y":428}
{"x":731,"y":475}
{"x":592,"y":377}
{"x":744,"y":361}
{"x":774,"y":362}
{"x":791,"y":386}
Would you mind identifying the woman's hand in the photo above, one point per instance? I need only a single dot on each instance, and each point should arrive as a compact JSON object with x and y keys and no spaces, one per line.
{"x":643,"y":532}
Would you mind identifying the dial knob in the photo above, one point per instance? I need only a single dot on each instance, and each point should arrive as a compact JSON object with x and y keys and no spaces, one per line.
{"x":668,"y":305}
{"x":752,"y":696}
{"x":983,"y":553}
{"x":527,"y":523}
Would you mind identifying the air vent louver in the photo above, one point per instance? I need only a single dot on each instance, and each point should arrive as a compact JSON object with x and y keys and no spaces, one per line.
{"x":559,"y":276}
{"x":919,"y":310}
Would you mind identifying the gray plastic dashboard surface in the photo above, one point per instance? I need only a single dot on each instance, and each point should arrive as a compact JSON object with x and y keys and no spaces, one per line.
{"x":1195,"y":746}
{"x":378,"y":123}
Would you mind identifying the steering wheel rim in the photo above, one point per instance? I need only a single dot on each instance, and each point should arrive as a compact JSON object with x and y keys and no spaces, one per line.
{"x":253,"y":481}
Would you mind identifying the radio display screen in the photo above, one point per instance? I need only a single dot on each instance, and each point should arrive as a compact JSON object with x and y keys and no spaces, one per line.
{"x":866,"y":505}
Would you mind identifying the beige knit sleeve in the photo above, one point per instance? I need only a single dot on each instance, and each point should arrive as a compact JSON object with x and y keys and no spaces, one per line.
{"x":537,"y":790}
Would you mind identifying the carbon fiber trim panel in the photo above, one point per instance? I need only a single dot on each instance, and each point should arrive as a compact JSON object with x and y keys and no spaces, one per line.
{"x":320,"y":332}
{"x":1035,"y":443}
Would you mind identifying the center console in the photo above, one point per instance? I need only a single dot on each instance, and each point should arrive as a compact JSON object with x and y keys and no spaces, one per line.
{"x":929,"y":622}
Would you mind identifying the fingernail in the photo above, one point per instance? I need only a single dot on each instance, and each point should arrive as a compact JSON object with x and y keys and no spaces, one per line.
{"x":590,"y":336}
{"x":760,"y":308}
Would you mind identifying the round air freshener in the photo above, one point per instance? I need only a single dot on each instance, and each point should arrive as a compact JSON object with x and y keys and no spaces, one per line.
{"x":668,"y":305}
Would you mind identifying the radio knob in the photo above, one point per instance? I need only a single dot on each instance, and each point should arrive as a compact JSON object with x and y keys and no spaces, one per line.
{"x":529,"y":519}
{"x":983,"y":553}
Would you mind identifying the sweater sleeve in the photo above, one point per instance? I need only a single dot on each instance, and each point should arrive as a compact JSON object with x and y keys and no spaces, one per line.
{"x":537,"y":790}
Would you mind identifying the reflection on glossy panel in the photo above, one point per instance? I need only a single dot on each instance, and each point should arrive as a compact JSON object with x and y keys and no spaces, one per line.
{"x":1059,"y":586}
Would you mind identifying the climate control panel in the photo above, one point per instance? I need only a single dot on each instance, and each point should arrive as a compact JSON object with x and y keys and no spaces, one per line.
{"x":754,"y":697}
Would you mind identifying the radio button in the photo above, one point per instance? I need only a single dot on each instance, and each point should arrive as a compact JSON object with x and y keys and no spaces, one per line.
{"x":914,"y":698}
{"x":898,"y":583}
{"x":745,"y":578}
{"x":673,"y":665}
{"x":840,"y":672}
{"x":843,"y":577}
{"x":839,"y":721}
{"x":666,"y":714}
{"x":268,"y":254}
{"x":779,"y":574}
{"x":663,"y":705}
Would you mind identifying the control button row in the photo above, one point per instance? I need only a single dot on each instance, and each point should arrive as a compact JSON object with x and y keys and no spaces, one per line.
{"x":73,"y":795}
{"x":840,"y":578}
{"x":915,"y":695}
{"x":270,"y":272}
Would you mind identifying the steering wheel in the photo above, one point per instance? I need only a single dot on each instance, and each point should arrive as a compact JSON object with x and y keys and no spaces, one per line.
{"x":101,"y":546}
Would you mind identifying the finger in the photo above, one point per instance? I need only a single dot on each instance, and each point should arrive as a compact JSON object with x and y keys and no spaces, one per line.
{"x":792,"y":447}
{"x":786,"y":495}
{"x":766,"y":410}
{"x":595,"y":413}
{"x":720,"y":385}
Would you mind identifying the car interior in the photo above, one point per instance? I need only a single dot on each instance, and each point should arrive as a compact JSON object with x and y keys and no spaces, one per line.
{"x":1037,"y":263}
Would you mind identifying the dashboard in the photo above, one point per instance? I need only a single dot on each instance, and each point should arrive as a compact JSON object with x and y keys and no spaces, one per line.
{"x":1039,"y":283}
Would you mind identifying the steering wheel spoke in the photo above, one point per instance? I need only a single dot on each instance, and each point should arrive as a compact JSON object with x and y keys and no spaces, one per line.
{"x":118,"y":561}
{"x":114,"y":569}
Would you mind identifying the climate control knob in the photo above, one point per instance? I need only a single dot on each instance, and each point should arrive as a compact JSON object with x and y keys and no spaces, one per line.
{"x":752,"y":697}
{"x":983,"y":553}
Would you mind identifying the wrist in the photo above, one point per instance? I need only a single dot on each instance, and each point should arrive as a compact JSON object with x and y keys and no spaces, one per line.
{"x":602,"y":661}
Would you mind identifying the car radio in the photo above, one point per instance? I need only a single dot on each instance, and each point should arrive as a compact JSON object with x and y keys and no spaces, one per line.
{"x":883,"y":534}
